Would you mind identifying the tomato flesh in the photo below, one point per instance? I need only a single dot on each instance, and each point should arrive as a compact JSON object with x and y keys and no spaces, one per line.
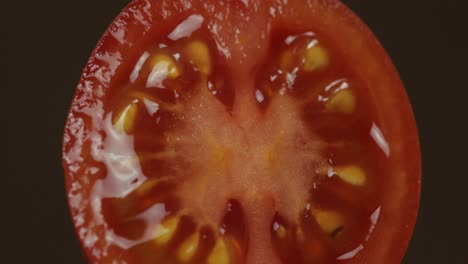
{"x":197,"y":135}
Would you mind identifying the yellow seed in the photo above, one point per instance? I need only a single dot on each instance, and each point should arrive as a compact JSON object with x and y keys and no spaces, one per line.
{"x":220,"y":254}
{"x":166,"y":230}
{"x":328,"y":221}
{"x":281,"y":232}
{"x":125,"y":121}
{"x":344,"y":102}
{"x":315,"y":58}
{"x":189,"y":247}
{"x":199,"y":54}
{"x":165,"y":62}
{"x":353,"y":175}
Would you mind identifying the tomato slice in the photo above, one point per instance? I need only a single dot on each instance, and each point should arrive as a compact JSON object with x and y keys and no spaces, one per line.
{"x":241,"y":132}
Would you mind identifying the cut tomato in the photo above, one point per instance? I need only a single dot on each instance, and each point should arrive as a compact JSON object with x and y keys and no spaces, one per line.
{"x":241,"y":132}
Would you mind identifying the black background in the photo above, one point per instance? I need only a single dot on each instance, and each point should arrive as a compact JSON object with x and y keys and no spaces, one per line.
{"x":49,"y":42}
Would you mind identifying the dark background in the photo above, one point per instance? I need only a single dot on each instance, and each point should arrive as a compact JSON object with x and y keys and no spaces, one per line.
{"x":49,"y":42}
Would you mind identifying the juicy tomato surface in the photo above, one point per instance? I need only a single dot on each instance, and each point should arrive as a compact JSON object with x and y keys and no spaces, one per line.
{"x":241,"y":132}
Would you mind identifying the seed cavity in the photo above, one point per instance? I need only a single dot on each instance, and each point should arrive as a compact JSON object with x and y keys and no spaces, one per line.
{"x":287,"y":60}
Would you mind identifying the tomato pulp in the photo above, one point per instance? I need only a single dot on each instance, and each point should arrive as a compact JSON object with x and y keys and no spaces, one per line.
{"x":241,"y":132}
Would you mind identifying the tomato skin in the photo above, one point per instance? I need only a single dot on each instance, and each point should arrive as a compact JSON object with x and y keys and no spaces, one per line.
{"x":140,"y":22}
